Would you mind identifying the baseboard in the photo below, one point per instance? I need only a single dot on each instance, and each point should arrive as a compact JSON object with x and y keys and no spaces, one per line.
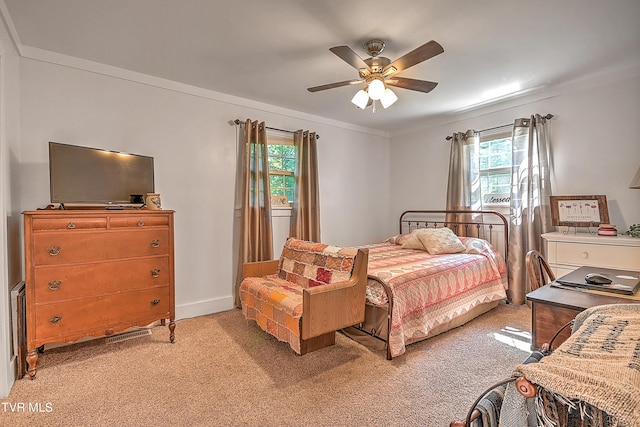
{"x":202,"y":308}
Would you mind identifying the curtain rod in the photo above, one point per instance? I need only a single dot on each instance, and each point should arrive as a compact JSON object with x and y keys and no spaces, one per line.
{"x":238,"y":122}
{"x":548,"y":117}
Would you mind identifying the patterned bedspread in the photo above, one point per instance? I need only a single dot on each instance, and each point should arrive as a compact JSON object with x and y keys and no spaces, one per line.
{"x":430,"y":290}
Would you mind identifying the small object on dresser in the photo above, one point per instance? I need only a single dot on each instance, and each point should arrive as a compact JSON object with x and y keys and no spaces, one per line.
{"x":634,"y":231}
{"x":153,"y":202}
{"x":607,"y":230}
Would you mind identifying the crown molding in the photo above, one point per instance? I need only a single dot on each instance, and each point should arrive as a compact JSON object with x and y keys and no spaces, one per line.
{"x":528,"y":96}
{"x":36,"y":54}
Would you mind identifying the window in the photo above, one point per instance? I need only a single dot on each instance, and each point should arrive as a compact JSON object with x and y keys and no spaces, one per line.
{"x":495,"y":156}
{"x":282,"y":165}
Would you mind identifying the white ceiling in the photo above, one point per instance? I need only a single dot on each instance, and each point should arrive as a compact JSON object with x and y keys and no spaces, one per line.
{"x":272,"y":50}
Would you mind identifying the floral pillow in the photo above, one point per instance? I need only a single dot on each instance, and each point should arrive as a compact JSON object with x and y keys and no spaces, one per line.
{"x":440,"y":241}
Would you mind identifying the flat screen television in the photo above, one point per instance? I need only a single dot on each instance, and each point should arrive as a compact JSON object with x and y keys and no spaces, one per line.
{"x":86,"y":175}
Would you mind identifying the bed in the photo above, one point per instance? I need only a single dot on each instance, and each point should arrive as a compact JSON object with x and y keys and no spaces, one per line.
{"x":413,"y":295}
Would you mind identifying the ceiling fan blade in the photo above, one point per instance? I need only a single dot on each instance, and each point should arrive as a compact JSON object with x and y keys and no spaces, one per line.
{"x":333,"y":85}
{"x":350,"y":57}
{"x":412,"y":84}
{"x":416,"y":56}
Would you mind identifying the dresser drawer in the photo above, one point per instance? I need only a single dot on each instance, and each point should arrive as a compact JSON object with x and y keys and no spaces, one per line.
{"x":75,"y":223}
{"x":134,"y":243}
{"x":100,"y":313}
{"x":82,"y":281}
{"x":611,"y":256}
{"x":62,"y":248}
{"x":136,"y":221}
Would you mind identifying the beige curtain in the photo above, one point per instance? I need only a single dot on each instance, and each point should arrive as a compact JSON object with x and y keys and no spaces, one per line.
{"x":305,"y":216}
{"x":530,"y":213}
{"x":463,"y":188}
{"x":255,"y":234}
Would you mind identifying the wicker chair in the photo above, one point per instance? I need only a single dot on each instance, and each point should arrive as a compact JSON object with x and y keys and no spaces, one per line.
{"x":538,"y":270}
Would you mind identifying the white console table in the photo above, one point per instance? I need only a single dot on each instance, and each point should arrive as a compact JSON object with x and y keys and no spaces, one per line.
{"x":566,"y":252}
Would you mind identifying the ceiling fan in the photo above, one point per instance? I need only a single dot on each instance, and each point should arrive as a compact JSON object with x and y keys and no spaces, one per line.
{"x":378,"y":72}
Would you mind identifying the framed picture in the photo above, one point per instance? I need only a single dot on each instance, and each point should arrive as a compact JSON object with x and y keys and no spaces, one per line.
{"x":579,"y":211}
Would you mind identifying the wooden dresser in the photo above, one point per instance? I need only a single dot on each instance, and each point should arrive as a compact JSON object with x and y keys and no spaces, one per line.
{"x":96,"y":273}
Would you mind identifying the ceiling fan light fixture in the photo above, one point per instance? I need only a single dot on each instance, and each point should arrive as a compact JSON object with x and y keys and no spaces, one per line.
{"x":360,"y":99}
{"x":376,"y":89}
{"x":388,"y":98}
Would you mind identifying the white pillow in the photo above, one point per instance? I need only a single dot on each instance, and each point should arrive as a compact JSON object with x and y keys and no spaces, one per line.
{"x":413,"y":242}
{"x":440,"y":241}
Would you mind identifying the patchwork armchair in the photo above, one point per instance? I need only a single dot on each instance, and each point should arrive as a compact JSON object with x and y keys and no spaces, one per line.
{"x":303,"y":298}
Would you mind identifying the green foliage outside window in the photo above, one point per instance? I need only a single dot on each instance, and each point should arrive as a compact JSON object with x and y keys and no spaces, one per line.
{"x":282,"y":163}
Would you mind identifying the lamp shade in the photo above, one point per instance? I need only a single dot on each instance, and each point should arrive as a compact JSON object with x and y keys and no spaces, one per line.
{"x":635,"y":183}
{"x":360,"y":99}
{"x":376,"y":89}
{"x":388,"y":98}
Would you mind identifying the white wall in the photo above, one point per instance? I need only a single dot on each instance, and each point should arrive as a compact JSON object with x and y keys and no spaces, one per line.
{"x":194,"y":147}
{"x":11,"y":254}
{"x":595,"y":147}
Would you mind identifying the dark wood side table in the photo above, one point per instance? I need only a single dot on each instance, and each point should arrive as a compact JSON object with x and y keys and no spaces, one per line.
{"x":552,"y":307}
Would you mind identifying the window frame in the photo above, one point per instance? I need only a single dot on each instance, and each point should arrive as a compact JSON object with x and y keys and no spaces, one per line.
{"x":280,"y":138}
{"x":497,"y":134}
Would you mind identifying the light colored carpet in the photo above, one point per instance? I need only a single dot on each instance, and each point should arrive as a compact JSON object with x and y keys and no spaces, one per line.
{"x":224,"y":371}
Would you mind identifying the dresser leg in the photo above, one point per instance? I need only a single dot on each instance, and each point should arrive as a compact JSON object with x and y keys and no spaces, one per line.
{"x":32,"y":360}
{"x":172,"y":328}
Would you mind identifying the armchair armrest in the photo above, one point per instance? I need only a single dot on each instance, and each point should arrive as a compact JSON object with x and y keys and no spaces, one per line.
{"x":259,"y":268}
{"x":330,"y":307}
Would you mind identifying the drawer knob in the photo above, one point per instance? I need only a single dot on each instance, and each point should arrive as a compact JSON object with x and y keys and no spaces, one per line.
{"x":54,"y":250}
{"x":141,"y":223}
{"x":71,"y":225}
{"x":55,"y":319}
{"x":155,"y":272}
{"x":155,"y":301}
{"x":54,"y":285}
{"x":155,"y":243}
{"x":584,"y":255}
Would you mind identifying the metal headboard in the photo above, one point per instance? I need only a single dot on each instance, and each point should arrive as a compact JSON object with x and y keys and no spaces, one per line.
{"x":487,"y":224}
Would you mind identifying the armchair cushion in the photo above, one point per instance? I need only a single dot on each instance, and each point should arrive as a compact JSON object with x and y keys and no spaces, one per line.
{"x":275,"y":305}
{"x":310,"y":264}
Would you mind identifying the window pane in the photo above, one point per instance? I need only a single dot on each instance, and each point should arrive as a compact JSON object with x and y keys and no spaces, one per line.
{"x":289,"y":151}
{"x":275,"y":163}
{"x":275,"y":150}
{"x":484,"y":162}
{"x":276,"y":181}
{"x":289,"y":165}
{"x":289,"y":194}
